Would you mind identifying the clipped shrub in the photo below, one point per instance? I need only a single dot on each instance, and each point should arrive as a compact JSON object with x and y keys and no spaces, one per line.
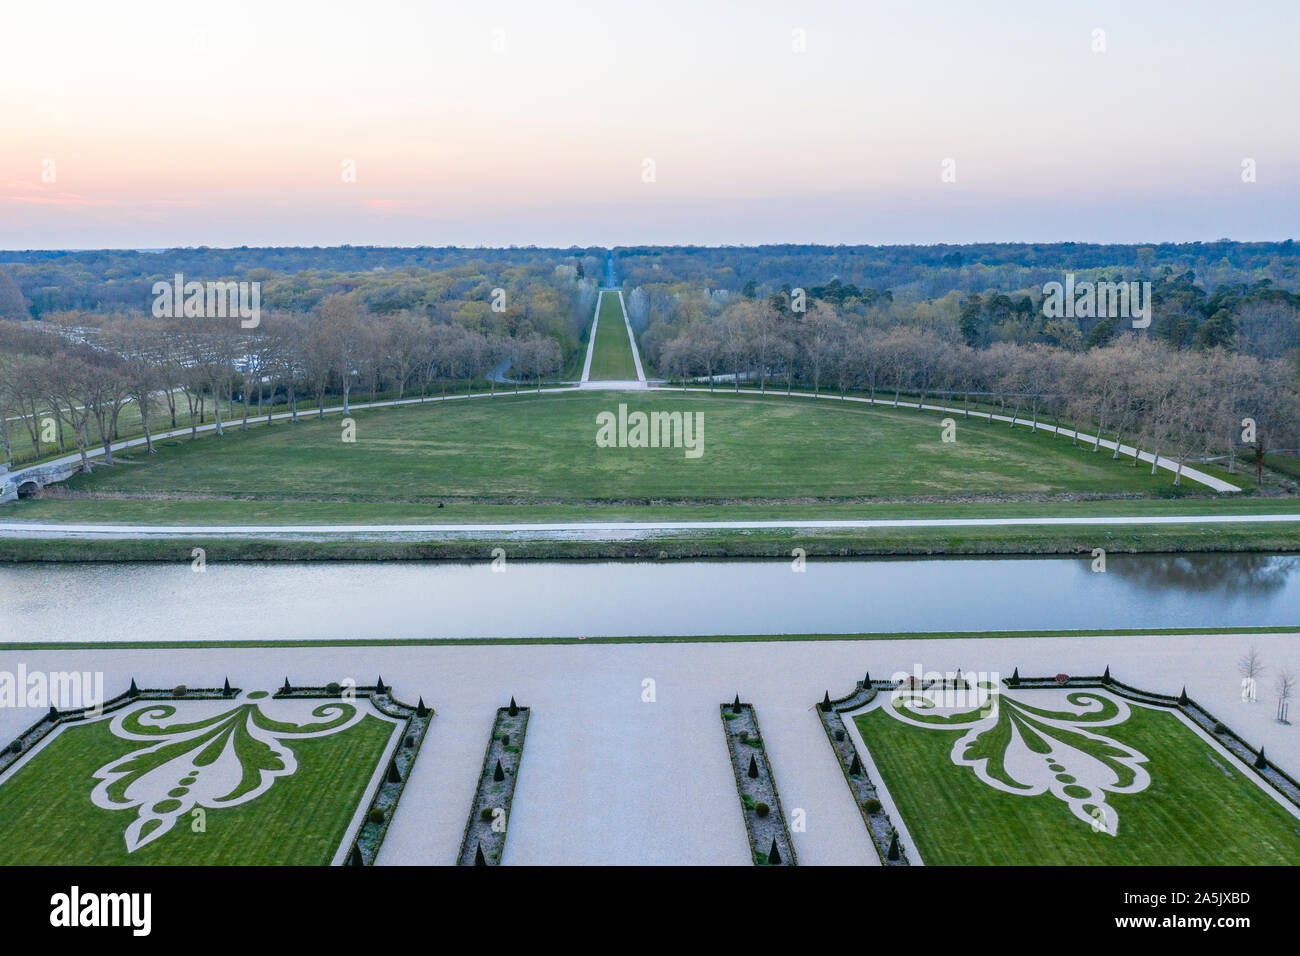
{"x":16,"y":746}
{"x":485,"y":814}
{"x":839,"y":735}
{"x":872,"y":805}
{"x":375,"y":816}
{"x":179,"y":690}
{"x":762,"y":809}
{"x":333,"y":687}
{"x":1220,"y":729}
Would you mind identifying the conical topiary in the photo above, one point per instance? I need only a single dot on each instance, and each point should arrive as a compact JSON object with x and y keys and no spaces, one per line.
{"x":735,"y":705}
{"x":498,"y":774}
{"x":855,"y":768}
{"x":1015,"y":677}
{"x":1105,"y":677}
{"x":866,"y":679}
{"x":753,"y":767}
{"x":286,"y":688}
{"x":479,"y":859}
{"x":354,"y":859}
{"x":774,"y":855}
{"x":514,"y":708}
{"x":132,"y":691}
{"x":1261,"y":762}
{"x":826,"y":701}
{"x":225,"y":688}
{"x":1182,"y":696}
{"x":394,"y":776}
{"x":379,"y":685}
{"x":893,"y":853}
{"x":421,"y":710}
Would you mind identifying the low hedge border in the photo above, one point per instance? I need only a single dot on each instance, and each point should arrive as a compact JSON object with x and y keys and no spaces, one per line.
{"x":737,"y":749}
{"x":369,"y":838}
{"x":879,"y":826}
{"x":481,"y":845}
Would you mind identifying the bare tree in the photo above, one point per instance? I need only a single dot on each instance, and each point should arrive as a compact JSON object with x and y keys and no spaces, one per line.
{"x":1251,"y":668}
{"x":1284,"y":687}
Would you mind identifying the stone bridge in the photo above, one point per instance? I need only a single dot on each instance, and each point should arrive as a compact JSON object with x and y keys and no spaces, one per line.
{"x":26,"y":482}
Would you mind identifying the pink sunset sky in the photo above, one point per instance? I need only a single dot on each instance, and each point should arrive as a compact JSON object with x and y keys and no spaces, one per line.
{"x":147,"y":124}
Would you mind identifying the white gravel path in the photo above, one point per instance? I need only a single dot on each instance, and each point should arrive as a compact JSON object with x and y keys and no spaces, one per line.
{"x":36,"y":529}
{"x":607,"y":778}
{"x":591,"y":339}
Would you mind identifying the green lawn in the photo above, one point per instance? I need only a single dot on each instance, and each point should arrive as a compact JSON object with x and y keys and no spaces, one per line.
{"x":47,"y":816}
{"x":1201,"y":808}
{"x":612,"y":359}
{"x":532,"y":450}
{"x":533,"y":458}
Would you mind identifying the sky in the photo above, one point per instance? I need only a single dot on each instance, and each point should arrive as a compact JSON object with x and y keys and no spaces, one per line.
{"x":148,"y":124}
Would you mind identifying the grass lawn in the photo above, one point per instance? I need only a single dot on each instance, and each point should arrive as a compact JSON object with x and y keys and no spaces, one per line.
{"x":542,"y":450}
{"x":612,"y":359}
{"x":533,"y":458}
{"x":48,"y":818}
{"x":1200,"y":808}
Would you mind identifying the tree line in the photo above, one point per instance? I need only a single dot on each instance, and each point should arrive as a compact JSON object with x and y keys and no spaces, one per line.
{"x":1138,"y":391}
{"x":83,"y":373}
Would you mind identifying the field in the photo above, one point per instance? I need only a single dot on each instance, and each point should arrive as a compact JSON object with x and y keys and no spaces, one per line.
{"x":531,"y":458}
{"x":612,"y":359}
{"x":531,"y":450}
{"x":49,"y":814}
{"x":1200,"y":807}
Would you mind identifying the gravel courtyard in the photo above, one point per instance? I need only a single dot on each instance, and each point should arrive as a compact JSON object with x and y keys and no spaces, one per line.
{"x":610,"y":778}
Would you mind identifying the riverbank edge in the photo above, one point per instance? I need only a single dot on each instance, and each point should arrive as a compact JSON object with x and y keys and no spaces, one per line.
{"x":643,"y":639}
{"x":1010,"y":541}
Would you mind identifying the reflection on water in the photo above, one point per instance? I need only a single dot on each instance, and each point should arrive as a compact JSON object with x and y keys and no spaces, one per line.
{"x":408,"y":600}
{"x":1238,"y":574}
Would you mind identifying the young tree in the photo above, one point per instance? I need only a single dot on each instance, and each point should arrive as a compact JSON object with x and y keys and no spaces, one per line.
{"x":1251,"y":668}
{"x":1284,"y":687}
